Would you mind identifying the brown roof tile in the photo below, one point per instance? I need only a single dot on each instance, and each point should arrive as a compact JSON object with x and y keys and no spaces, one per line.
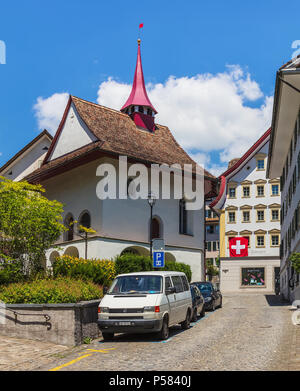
{"x":119,"y":135}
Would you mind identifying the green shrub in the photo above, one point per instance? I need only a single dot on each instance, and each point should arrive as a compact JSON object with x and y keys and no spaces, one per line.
{"x":130,"y":263}
{"x":179,"y":267}
{"x":295,"y":261}
{"x":60,"y":290}
{"x":10,"y":270}
{"x":99,"y":271}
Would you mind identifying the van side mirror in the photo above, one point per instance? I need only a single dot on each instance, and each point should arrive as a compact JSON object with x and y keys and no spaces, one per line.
{"x":170,"y":290}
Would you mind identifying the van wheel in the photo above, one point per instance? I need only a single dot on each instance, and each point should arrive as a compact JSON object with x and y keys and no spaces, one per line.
{"x":186,"y":324}
{"x":194,"y":317}
{"x":163,"y":334}
{"x":220,"y":306}
{"x":108,"y":336}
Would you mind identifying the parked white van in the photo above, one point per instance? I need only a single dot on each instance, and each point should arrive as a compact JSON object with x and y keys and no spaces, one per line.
{"x":145,"y":302}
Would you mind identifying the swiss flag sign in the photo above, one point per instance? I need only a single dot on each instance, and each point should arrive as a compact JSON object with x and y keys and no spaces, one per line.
{"x":238,"y":247}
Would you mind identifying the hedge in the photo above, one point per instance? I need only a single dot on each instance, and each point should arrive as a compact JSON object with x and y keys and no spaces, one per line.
{"x":60,"y":290}
{"x":130,"y":263}
{"x":99,"y":271}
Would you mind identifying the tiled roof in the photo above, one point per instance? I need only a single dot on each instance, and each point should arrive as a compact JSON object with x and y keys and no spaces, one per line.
{"x":292,"y":64}
{"x":118,"y":134}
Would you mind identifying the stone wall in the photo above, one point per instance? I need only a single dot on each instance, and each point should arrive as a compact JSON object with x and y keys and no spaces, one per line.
{"x":63,"y":324}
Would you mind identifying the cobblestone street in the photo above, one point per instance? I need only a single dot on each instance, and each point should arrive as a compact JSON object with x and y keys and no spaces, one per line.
{"x":250,"y":332}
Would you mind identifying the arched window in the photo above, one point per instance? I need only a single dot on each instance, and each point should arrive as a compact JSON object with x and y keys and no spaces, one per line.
{"x":69,"y":224}
{"x":85,"y":220}
{"x":182,"y":217}
{"x":156,"y":229}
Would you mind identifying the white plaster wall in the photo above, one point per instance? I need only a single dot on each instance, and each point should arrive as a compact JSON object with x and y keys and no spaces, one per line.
{"x":74,"y":135}
{"x":28,"y":162}
{"x":252,"y":174}
{"x":295,"y":242}
{"x":230,"y":281}
{"x":105,"y":248}
{"x":126,"y":220}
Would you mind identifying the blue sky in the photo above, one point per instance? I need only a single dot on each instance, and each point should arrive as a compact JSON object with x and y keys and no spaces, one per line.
{"x":74,"y":46}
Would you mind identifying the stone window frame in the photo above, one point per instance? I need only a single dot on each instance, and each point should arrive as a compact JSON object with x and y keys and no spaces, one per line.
{"x":274,"y":232}
{"x":271,"y":240}
{"x":261,"y":157}
{"x":260,"y":233}
{"x":244,"y":187}
{"x":274,"y":182}
{"x":231,"y":209}
{"x":257,"y":193}
{"x":258,"y":211}
{"x":274,"y":207}
{"x":231,"y":186}
{"x":243,"y":220}
{"x":228,"y":217}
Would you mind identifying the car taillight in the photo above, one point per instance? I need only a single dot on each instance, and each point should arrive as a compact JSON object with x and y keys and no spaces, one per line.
{"x":157,"y":309}
{"x":99,"y":310}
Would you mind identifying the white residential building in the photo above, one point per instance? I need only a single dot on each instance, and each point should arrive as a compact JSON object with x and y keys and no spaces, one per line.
{"x":284,"y":162}
{"x":249,"y":206}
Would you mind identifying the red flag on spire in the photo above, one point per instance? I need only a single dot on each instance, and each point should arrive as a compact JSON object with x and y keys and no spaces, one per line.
{"x":141,"y":25}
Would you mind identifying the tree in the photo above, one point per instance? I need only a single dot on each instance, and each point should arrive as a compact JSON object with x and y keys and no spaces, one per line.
{"x":29,"y":222}
{"x":295,"y":261}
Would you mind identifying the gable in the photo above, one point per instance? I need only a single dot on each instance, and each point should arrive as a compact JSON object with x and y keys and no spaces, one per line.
{"x":73,"y":135}
{"x":27,"y":159}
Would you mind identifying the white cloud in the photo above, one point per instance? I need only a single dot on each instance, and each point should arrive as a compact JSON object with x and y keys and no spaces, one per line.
{"x":49,"y":111}
{"x":206,"y":112}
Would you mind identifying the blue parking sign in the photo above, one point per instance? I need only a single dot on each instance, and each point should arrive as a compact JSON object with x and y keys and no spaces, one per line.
{"x":158,"y":259}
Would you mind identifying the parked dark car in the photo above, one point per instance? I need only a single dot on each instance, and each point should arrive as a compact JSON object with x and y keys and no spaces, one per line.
{"x":198,"y":303}
{"x":212,"y":295}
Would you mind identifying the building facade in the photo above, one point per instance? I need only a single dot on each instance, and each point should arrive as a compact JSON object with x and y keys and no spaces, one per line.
{"x":284,"y":161}
{"x":91,"y":135}
{"x":211,"y":235}
{"x":249,"y":207}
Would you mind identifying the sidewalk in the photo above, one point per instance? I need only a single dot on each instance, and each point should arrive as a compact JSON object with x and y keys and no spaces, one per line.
{"x":24,"y":354}
{"x":294,"y":361}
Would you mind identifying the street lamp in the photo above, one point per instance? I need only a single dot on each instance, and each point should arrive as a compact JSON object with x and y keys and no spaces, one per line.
{"x":151,"y":202}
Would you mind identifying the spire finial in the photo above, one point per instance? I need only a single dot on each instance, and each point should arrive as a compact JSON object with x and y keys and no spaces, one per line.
{"x":139,"y":41}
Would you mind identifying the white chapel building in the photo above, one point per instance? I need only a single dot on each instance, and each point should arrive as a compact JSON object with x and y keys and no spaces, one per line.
{"x":90,"y":134}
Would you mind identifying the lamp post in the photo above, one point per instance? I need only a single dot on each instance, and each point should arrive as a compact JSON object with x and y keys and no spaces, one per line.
{"x":151,"y":202}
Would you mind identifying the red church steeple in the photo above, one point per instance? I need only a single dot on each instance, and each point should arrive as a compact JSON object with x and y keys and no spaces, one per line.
{"x":138,"y":105}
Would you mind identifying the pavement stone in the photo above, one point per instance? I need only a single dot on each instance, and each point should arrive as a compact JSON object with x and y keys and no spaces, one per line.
{"x":251,"y":332}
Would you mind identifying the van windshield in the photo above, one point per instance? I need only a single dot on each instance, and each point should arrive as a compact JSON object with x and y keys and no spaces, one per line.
{"x":136,"y":284}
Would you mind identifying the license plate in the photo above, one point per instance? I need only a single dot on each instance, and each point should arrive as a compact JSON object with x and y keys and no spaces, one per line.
{"x":123,"y":323}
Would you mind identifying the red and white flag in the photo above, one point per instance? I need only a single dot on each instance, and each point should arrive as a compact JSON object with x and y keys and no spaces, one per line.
{"x":141,"y":25}
{"x":238,"y":247}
